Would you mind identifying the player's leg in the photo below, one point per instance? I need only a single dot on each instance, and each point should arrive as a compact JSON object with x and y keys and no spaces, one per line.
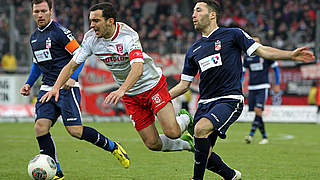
{"x":173,"y":126}
{"x":254,"y":125}
{"x":47,"y":114}
{"x":71,"y":115}
{"x":215,"y":119}
{"x":261,"y":98}
{"x":156,"y":142}
{"x":217,"y":165}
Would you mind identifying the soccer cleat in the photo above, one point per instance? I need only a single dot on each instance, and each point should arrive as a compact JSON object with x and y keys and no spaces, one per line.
{"x":264,"y":141}
{"x":187,"y":137}
{"x":58,"y":176}
{"x":248,"y":139}
{"x":190,"y":125}
{"x":121,"y":155}
{"x":237,"y":175}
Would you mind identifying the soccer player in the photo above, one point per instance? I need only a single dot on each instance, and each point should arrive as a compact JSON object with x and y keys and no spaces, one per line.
{"x":143,"y":88}
{"x":217,"y":58}
{"x":53,"y":46}
{"x":258,"y":89}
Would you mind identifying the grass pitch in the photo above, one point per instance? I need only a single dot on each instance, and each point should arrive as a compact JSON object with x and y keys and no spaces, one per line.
{"x":292,"y":154}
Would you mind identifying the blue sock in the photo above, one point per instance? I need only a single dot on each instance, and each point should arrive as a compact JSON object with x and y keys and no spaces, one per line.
{"x":93,"y":136}
{"x":58,"y":167}
{"x":255,"y":125}
{"x":202,"y":147}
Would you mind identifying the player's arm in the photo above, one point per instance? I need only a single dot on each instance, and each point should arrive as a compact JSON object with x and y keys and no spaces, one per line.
{"x":299,"y":54}
{"x":133,"y":76}
{"x":62,"y":79}
{"x":33,"y":76}
{"x":182,"y":87}
{"x":276,"y":70}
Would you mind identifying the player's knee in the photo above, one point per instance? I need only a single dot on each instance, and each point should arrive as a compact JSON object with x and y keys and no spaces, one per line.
{"x":41,"y":128}
{"x":201,"y":131}
{"x":153,"y":146}
{"x":172,"y":133}
{"x":75,"y":131}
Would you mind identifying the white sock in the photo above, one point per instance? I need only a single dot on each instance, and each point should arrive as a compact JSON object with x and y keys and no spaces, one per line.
{"x":183,"y":121}
{"x":173,"y":144}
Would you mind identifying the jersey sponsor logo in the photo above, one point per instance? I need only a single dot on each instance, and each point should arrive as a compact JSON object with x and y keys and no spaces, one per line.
{"x":217,"y":45}
{"x":119,"y":48}
{"x":256,"y":67}
{"x":156,"y":99}
{"x":43,"y":55}
{"x":107,"y":58}
{"x":48,"y":43}
{"x":210,"y":62}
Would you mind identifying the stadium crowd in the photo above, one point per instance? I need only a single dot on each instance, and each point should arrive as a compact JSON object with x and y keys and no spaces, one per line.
{"x":166,"y":26}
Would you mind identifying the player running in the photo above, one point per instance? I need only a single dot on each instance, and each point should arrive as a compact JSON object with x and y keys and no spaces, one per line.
{"x":258,"y":89}
{"x":143,"y":88}
{"x":217,"y":58}
{"x":53,"y":46}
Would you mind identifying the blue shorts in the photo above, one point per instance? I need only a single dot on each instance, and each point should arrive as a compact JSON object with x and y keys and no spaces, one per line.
{"x":257,"y":98}
{"x":68,"y":106}
{"x":222,"y":113}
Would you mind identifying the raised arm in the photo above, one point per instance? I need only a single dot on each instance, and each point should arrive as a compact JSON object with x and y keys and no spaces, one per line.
{"x":299,"y":54}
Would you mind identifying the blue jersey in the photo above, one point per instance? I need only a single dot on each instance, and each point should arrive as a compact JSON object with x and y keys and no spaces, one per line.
{"x":217,"y":58}
{"x":259,"y":71}
{"x":52,"y":47}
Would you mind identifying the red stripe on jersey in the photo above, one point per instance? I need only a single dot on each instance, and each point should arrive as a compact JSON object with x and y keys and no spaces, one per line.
{"x":117,"y":32}
{"x":125,"y":54}
{"x":136,"y":53}
{"x":72,"y":46}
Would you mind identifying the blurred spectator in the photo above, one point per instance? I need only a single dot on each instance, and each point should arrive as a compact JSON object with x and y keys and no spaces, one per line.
{"x":166,"y":26}
{"x":9,"y":63}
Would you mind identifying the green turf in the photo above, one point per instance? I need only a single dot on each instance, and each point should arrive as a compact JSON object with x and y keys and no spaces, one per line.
{"x":293,"y":154}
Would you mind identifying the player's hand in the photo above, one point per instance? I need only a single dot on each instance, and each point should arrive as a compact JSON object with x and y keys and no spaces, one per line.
{"x":114,"y":97}
{"x":69,"y":84}
{"x":25,"y":90}
{"x":303,"y":54}
{"x":276,"y":89}
{"x":49,"y":94}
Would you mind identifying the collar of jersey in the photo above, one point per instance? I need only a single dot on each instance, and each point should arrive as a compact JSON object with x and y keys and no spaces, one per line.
{"x":211,"y":32}
{"x":41,"y":30}
{"x":115,"y":34}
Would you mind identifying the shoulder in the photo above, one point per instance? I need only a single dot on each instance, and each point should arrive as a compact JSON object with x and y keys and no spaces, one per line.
{"x":59,"y":28}
{"x":124,"y":29}
{"x":89,"y":35}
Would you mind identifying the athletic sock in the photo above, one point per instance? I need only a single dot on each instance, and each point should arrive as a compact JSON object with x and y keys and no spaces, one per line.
{"x":261,"y":127}
{"x":93,"y":136}
{"x":216,"y":164}
{"x":255,"y":125}
{"x":202,"y":147}
{"x":173,"y":144}
{"x":183,"y":121}
{"x":47,"y":146}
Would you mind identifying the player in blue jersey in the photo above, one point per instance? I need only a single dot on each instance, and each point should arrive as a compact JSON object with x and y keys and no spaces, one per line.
{"x":217,"y":58}
{"x":258,"y":89}
{"x":53,"y":47}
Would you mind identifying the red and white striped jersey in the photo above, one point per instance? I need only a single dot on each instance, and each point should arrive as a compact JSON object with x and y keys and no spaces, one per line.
{"x":118,"y":53}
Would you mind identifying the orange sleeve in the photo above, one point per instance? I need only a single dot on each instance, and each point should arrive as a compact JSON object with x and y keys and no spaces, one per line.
{"x":72,"y":46}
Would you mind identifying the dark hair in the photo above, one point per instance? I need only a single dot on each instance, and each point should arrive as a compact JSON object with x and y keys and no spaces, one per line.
{"x":108,"y":11}
{"x":213,"y":6}
{"x":40,"y":1}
